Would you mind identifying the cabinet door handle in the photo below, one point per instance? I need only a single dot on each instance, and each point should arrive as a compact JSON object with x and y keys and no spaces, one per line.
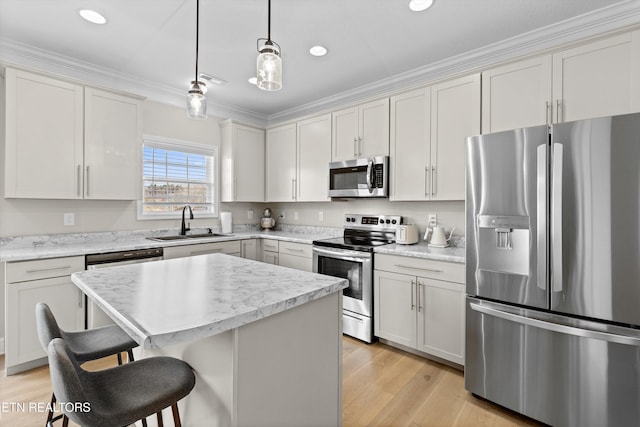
{"x":293,"y":188}
{"x":79,"y":182}
{"x":413,"y":285}
{"x":355,"y":146}
{"x":433,"y":181}
{"x":87,"y":179}
{"x":80,"y":299}
{"x":418,"y":288}
{"x":558,"y":106}
{"x":547,"y":112}
{"x":359,"y":146}
{"x":426,"y":181}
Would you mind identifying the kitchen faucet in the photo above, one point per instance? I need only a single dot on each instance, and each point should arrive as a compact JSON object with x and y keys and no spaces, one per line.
{"x":184,"y":228}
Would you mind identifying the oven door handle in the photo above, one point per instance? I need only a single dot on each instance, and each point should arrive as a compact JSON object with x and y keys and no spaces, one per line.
{"x":343,"y":254}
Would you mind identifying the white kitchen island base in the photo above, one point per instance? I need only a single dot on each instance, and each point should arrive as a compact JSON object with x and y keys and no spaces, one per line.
{"x":282,"y":370}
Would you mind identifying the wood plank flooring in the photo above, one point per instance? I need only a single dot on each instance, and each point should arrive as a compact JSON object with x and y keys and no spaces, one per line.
{"x":382,"y":386}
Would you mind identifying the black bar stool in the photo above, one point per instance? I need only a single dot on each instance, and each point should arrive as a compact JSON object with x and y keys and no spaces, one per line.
{"x":121,"y":395}
{"x":86,"y":345}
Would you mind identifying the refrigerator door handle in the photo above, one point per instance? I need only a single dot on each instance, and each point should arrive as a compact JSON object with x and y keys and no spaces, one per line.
{"x":541,"y":235}
{"x":556,"y":327}
{"x":556,"y":219}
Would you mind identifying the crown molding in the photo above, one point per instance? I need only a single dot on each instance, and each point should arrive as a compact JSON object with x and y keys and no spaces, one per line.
{"x":26,"y":56}
{"x":605,"y":21}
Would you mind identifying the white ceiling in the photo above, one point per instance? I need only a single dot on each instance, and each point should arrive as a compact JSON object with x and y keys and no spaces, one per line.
{"x":148,"y":46}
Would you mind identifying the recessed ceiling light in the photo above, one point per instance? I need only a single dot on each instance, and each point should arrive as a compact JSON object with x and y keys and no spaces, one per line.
{"x":92,"y":16}
{"x":253,"y":80}
{"x":318,"y":51}
{"x":420,"y":5}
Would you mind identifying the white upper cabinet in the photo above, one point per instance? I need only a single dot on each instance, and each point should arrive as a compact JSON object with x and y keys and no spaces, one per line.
{"x":455,"y":115}
{"x":593,"y":80}
{"x":242,"y":163}
{"x":410,"y":147}
{"x":281,"y":164}
{"x":44,"y":137}
{"x":314,"y":155}
{"x":361,"y":131}
{"x":428,"y":130}
{"x":298,"y":157}
{"x":112,"y":141}
{"x":86,"y":144}
{"x":516,"y":95}
{"x":597,"y":79}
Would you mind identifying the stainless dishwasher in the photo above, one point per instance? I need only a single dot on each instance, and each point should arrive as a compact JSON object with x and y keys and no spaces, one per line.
{"x":94,"y":316}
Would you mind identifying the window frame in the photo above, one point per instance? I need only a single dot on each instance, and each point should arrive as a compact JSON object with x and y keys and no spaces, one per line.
{"x":185,"y":146}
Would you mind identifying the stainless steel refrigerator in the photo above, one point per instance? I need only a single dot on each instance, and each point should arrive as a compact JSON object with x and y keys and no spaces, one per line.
{"x":553,"y":271}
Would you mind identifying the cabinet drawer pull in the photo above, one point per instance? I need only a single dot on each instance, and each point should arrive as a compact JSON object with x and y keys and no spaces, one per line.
{"x":87,"y":179}
{"x":206,"y":251}
{"x":433,"y":270}
{"x":42,"y":270}
{"x":294,"y":250}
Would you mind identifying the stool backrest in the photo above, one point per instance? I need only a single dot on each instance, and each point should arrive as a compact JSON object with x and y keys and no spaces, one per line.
{"x":66,"y":378}
{"x":46,"y":325}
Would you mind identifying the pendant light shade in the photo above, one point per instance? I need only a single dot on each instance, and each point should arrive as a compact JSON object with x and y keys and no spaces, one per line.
{"x":269,"y":62}
{"x":196,"y":102}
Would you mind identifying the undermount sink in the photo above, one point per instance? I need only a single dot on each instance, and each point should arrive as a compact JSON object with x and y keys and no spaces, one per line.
{"x":188,"y":236}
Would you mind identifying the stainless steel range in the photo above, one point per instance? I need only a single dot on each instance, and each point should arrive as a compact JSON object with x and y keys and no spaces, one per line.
{"x":351,"y":257}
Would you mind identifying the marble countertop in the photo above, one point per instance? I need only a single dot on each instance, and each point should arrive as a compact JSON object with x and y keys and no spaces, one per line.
{"x":64,"y":245}
{"x":178,"y":300}
{"x":422,"y":250}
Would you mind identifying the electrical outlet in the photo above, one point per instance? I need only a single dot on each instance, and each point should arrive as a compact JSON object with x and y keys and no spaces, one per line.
{"x":283,"y":215}
{"x":433,"y":221}
{"x":295,"y":215}
{"x":250,"y":214}
{"x":320,"y":216}
{"x":69,"y":219}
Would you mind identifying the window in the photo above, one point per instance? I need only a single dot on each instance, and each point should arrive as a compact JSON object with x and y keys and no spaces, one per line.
{"x":175,"y":174}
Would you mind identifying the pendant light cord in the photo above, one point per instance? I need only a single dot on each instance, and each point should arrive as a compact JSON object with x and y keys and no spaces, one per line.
{"x":269,"y":20}
{"x":197,"y":37}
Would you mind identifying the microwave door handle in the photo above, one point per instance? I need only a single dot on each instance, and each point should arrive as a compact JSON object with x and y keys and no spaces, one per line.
{"x":369,"y":178}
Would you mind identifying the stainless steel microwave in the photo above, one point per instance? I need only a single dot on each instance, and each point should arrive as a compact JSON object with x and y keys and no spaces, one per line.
{"x":367,"y":177}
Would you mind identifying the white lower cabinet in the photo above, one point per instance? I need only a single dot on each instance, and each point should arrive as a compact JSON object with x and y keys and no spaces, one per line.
{"x":230,"y":248}
{"x":270,"y":251}
{"x":30,"y":282}
{"x":419,"y":304}
{"x":249,"y":249}
{"x":295,"y":255}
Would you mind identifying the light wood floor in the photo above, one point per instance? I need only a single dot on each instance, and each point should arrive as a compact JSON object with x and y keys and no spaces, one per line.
{"x":382,"y":386}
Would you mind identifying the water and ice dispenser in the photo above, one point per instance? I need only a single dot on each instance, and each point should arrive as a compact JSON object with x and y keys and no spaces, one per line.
{"x":504,"y":244}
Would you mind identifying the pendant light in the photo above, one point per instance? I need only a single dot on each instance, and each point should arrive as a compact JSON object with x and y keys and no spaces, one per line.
{"x":269,"y":62}
{"x":196,"y":102}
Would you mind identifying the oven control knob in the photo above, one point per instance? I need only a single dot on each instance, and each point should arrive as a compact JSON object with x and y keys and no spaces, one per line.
{"x":393,"y":221}
{"x":348,"y":219}
{"x":388,"y":221}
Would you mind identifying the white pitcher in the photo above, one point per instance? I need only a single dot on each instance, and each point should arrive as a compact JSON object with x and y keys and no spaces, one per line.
{"x":438,"y":237}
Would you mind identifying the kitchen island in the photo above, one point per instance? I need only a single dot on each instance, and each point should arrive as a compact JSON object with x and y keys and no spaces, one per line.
{"x":264,"y":341}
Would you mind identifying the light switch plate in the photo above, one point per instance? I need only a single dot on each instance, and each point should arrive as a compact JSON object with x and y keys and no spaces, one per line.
{"x":250,"y":214}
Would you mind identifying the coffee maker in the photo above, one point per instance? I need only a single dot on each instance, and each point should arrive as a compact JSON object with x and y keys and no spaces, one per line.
{"x":267,"y":222}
